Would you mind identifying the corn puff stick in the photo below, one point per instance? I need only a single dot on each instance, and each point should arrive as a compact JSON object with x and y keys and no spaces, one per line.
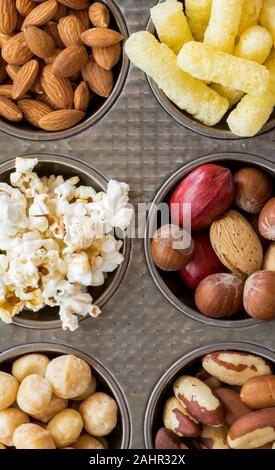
{"x":250,"y":14}
{"x":252,"y":112}
{"x":223,"y":25}
{"x":171,"y":24}
{"x":255,"y":44}
{"x":204,"y":63}
{"x":267,"y":17}
{"x":198,"y":14}
{"x":189,"y":94}
{"x":231,"y":94}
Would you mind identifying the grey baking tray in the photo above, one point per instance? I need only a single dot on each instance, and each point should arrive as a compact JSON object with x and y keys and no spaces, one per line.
{"x":139,"y":333}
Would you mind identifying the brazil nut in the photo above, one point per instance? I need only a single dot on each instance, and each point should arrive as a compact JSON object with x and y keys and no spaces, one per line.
{"x":235,"y":368}
{"x":253,"y":430}
{"x":214,"y":438}
{"x":166,"y":439}
{"x":177,"y":419}
{"x":259,"y":392}
{"x":199,"y":400}
{"x":234,"y":408}
{"x":208,"y":379}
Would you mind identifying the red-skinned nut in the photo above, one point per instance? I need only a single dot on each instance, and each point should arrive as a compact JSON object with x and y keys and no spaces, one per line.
{"x":235,"y":368}
{"x":199,"y":400}
{"x":210,"y":191}
{"x":253,"y":430}
{"x":214,"y":438}
{"x":234,"y":408}
{"x":166,"y":439}
{"x":203,"y":262}
{"x":259,"y":392}
{"x":177,"y":419}
{"x":253,"y":189}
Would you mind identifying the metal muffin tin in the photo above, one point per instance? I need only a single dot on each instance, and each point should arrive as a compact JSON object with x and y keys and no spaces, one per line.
{"x":188,"y":364}
{"x":169,"y":283}
{"x":99,"y":107}
{"x":138,"y":333}
{"x":120,"y":438}
{"x":220,"y":131}
{"x":67,"y":166}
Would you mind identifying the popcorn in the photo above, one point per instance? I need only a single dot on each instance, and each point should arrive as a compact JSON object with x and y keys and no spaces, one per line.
{"x":56,"y":242}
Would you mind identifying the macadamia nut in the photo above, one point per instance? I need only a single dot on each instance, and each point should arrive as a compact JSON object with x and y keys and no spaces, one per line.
{"x":34,"y":394}
{"x":55,"y":406}
{"x":90,"y":391}
{"x":69,"y":376}
{"x":88,"y":442}
{"x":31,"y":436}
{"x":66,"y":427}
{"x":8,"y":390}
{"x":99,"y":414}
{"x":30,"y":364}
{"x":10,"y":419}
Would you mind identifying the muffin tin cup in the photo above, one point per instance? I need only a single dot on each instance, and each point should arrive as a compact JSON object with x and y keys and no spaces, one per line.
{"x":49,"y":164}
{"x":233,"y":160}
{"x":188,"y":364}
{"x":220,"y":131}
{"x":120,"y":438}
{"x":26,"y":131}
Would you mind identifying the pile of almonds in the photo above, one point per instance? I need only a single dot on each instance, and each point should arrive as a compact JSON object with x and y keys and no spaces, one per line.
{"x":230,"y":261}
{"x":55,"y":56}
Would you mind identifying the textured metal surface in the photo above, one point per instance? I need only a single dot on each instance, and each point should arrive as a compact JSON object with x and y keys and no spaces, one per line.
{"x":139,"y":333}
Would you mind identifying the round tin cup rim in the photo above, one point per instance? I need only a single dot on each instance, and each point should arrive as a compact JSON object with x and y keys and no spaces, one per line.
{"x":182,"y":361}
{"x":40,"y":135}
{"x":120,"y":272}
{"x":186,"y":120}
{"x":163,"y":190}
{"x":95,"y":363}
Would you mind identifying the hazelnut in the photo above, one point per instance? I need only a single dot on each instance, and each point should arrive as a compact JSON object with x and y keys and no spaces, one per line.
{"x":267,"y":220}
{"x":219,"y":295}
{"x":269,"y":259}
{"x":259,"y":298}
{"x":171,"y":248}
{"x":253,"y":189}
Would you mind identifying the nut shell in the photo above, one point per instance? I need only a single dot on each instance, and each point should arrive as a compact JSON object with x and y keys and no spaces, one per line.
{"x":253,"y":189}
{"x":267,"y":220}
{"x":259,"y":298}
{"x":219,"y":295}
{"x":236,"y":244}
{"x":171,"y":248}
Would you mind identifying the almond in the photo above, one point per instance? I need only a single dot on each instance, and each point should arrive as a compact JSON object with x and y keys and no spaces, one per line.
{"x":70,"y":61}
{"x":24,"y":7}
{"x":61,"y":119}
{"x":51,"y":59}
{"x":12,"y":71}
{"x":99,"y":15}
{"x":82,"y":15}
{"x":75,"y":4}
{"x":34,"y":110}
{"x":41,"y":14}
{"x":39,"y":42}
{"x":59,"y":90}
{"x":6,"y":90}
{"x":101,"y":37}
{"x":25,"y":79}
{"x":52,"y":29}
{"x":3,"y":71}
{"x":16,"y":51}
{"x":107,"y":57}
{"x":4,"y":38}
{"x":8,"y":16}
{"x":70,"y":29}
{"x":99,"y":80}
{"x":9,"y":110}
{"x":61,"y":11}
{"x":45,"y":99}
{"x":81,"y":97}
{"x":37,"y":87}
